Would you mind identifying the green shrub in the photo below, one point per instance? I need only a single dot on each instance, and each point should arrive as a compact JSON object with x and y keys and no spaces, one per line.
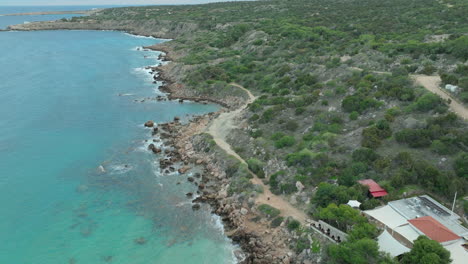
{"x":274,"y":182}
{"x":416,"y":138}
{"x":256,"y":133}
{"x":428,"y":69}
{"x":239,"y":185}
{"x":354,"y":115}
{"x":369,"y":204}
{"x":277,"y":136}
{"x":256,"y":166}
{"x":302,"y":243}
{"x":258,"y":42}
{"x":440,"y":147}
{"x":276,"y":222}
{"x":291,"y":125}
{"x":370,"y":138}
{"x":461,"y":165}
{"x":288,"y":188}
{"x":358,"y":103}
{"x":268,"y":210}
{"x":303,"y":157}
{"x":428,"y":102}
{"x":299,"y":110}
{"x":459,"y":47}
{"x":293,"y":224}
{"x":365,"y":155}
{"x":285,"y":141}
{"x":449,"y":79}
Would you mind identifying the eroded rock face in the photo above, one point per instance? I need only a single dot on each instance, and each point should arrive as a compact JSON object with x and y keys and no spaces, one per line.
{"x":149,"y":123}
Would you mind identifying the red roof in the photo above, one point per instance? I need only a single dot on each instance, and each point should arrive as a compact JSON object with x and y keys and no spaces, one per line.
{"x":433,"y":229}
{"x":374,"y":188}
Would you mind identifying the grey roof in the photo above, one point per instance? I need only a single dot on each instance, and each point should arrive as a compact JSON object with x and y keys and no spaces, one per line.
{"x":389,"y":244}
{"x":424,"y":205}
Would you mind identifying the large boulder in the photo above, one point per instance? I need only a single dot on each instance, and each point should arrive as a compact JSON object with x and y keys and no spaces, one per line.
{"x":183,"y":169}
{"x":149,"y":123}
{"x":299,"y":186}
{"x":153,"y":148}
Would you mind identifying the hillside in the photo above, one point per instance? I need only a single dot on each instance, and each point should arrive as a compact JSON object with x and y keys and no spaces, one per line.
{"x":336,"y":99}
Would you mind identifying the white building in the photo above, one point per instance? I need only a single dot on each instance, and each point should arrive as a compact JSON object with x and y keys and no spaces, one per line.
{"x":404,"y":220}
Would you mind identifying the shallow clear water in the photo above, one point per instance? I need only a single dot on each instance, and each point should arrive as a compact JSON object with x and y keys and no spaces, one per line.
{"x":61,"y":117}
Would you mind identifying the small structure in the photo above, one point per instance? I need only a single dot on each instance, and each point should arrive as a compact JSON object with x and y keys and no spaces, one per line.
{"x":451,"y":88}
{"x":332,"y":232}
{"x":354,"y":203}
{"x":374,"y":189}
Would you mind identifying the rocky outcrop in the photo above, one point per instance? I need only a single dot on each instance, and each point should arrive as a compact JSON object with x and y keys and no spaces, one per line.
{"x":260,"y":244}
{"x":149,"y":123}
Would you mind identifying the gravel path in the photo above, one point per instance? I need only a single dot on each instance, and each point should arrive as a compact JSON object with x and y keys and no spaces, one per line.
{"x":220,"y":128}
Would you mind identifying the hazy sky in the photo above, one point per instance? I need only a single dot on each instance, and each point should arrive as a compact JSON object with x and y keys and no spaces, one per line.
{"x":104,"y":2}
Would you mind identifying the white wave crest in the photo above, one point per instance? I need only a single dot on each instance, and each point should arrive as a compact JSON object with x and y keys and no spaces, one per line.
{"x":139,"y":36}
{"x":119,"y":168}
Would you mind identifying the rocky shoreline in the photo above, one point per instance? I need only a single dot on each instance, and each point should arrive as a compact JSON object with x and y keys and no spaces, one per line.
{"x":186,"y":148}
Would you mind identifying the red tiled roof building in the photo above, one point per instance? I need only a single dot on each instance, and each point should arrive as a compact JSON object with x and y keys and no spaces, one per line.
{"x":433,"y":229}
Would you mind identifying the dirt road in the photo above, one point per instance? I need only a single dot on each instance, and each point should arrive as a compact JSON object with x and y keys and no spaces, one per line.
{"x":220,"y":128}
{"x":432,"y":83}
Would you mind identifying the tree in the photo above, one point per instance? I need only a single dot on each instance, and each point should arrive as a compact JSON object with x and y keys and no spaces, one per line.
{"x":428,"y":102}
{"x":329,"y":193}
{"x":342,"y":217}
{"x":364,"y":230}
{"x":461,"y":165}
{"x":285,"y":141}
{"x":460,"y":47}
{"x":365,"y":155}
{"x":363,"y":251}
{"x":426,"y":251}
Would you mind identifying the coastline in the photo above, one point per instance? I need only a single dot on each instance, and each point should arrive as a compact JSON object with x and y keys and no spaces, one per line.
{"x":80,"y":12}
{"x":242,"y":222}
{"x":190,"y":142}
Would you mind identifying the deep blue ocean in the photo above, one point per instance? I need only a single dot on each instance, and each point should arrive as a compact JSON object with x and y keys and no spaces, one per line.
{"x":67,"y":106}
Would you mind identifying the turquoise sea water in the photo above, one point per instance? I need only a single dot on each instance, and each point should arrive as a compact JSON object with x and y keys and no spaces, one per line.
{"x":61,"y":116}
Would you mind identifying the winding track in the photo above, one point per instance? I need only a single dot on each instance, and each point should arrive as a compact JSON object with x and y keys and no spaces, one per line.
{"x":432,"y":83}
{"x":220,"y":128}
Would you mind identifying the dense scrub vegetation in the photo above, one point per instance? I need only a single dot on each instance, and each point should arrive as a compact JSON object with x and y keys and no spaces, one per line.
{"x":336,"y":100}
